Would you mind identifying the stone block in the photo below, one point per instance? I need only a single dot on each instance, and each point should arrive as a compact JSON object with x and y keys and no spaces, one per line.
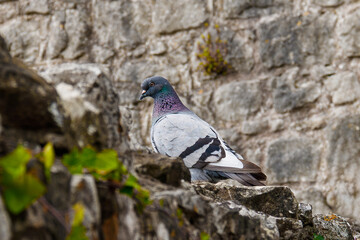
{"x":272,"y":200}
{"x":336,"y":228}
{"x":58,"y":37}
{"x":287,"y":98}
{"x":254,"y":127}
{"x":236,"y":100}
{"x":279,"y":42}
{"x":37,"y":7}
{"x":24,"y":36}
{"x":257,"y":8}
{"x":114,"y":24}
{"x":292,"y":160}
{"x":328,"y":3}
{"x":77,"y":29}
{"x":297,"y":40}
{"x":344,"y":87}
{"x":343,"y":164}
{"x":171,"y":16}
{"x":5,"y":226}
{"x":170,"y":171}
{"x":83,"y":190}
{"x":348,"y":29}
{"x":89,"y":99}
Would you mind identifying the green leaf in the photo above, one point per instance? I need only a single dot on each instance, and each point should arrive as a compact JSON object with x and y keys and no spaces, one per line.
{"x":15,"y":162}
{"x":106,"y":160}
{"x":99,"y":164}
{"x":127,"y":191}
{"x":72,"y":162}
{"x":87,"y":157}
{"x":76,"y":160}
{"x":318,"y":237}
{"x":204,"y":236}
{"x":131,"y":181}
{"x":77,"y":233}
{"x":23,"y":191}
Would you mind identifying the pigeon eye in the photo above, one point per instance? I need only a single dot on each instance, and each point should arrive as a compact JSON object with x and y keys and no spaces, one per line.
{"x":152,"y":84}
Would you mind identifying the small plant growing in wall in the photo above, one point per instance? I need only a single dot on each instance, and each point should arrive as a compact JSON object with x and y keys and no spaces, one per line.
{"x":212,"y":51}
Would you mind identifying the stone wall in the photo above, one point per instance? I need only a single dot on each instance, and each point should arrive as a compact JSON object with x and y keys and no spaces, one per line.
{"x":290,"y":104}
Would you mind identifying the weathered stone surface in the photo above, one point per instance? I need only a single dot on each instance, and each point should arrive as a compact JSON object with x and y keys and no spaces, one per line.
{"x":329,"y":228}
{"x":129,"y":221}
{"x":23,"y":38}
{"x":192,"y":212}
{"x":275,"y":201}
{"x":236,"y":100}
{"x":58,"y":193}
{"x":286,"y":98}
{"x":343,"y":162}
{"x":254,"y":127}
{"x":313,"y":196}
{"x":344,"y":87}
{"x":292,"y":160}
{"x":35,"y":101}
{"x":279,"y":44}
{"x":170,"y":171}
{"x":77,"y":29}
{"x":305,"y":213}
{"x":171,"y":16}
{"x":290,"y":40}
{"x":314,"y":123}
{"x":91,"y":103}
{"x":318,"y":72}
{"x":328,"y":3}
{"x":83,"y":191}
{"x":348,"y":29}
{"x":100,"y":54}
{"x":8,"y":10}
{"x":157,"y":47}
{"x":113,"y":24}
{"x":30,"y":7}
{"x":119,"y":219}
{"x":34,"y":224}
{"x":58,"y":37}
{"x":276,"y":125}
{"x":5,"y":226}
{"x":250,"y":9}
{"x":317,"y":38}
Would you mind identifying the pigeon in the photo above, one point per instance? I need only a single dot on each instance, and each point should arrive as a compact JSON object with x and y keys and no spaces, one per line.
{"x":178,"y":132}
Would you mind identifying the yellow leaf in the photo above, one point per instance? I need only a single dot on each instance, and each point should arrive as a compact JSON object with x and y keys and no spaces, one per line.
{"x":79,"y":212}
{"x":49,"y":155}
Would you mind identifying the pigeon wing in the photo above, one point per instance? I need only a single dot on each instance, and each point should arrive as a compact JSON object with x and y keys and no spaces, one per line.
{"x":197,"y":143}
{"x":188,"y":137}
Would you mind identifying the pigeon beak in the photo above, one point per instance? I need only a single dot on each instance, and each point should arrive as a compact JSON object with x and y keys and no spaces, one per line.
{"x":143,"y":94}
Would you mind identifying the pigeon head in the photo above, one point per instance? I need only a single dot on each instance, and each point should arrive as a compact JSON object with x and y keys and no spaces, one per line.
{"x":154,"y":85}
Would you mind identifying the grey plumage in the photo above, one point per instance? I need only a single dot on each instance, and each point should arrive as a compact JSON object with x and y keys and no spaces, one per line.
{"x":176,"y":131}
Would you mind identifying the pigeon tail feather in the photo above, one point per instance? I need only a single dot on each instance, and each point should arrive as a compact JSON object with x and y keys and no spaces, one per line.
{"x":247,"y":179}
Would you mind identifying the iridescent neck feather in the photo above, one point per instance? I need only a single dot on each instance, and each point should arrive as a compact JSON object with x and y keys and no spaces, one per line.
{"x":167,"y":101}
